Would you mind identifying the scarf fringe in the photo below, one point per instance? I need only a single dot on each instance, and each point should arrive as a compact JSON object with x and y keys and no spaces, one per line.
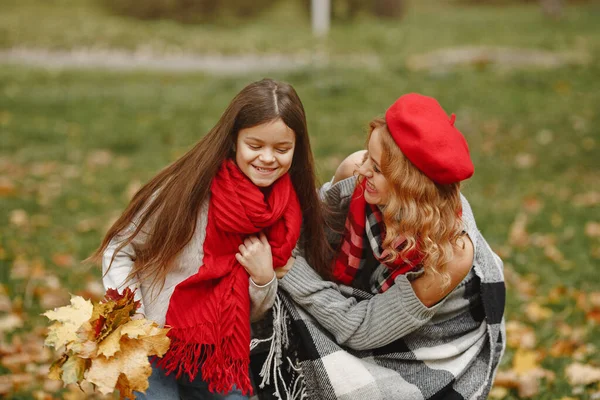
{"x":219,"y":370}
{"x":279,"y":340}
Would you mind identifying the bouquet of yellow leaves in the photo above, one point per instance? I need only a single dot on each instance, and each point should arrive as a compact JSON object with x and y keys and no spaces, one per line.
{"x":101,"y":343}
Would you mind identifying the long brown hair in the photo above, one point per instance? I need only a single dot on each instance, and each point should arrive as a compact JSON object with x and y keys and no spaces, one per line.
{"x":423,"y":211}
{"x":165,"y":209}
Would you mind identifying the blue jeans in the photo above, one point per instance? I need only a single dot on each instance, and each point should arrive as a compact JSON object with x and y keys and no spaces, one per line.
{"x":167,"y":387}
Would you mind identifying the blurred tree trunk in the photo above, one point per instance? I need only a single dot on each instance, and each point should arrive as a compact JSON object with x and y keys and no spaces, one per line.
{"x":552,"y":8}
{"x":389,"y":8}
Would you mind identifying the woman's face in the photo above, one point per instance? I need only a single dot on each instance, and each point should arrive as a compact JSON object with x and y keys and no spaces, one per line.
{"x":377,"y":189}
{"x":264,"y":152}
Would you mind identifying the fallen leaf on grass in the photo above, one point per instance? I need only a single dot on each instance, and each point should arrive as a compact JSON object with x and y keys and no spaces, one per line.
{"x":593,"y":315}
{"x":588,"y":199}
{"x":99,"y":158}
{"x":5,"y":384}
{"x":52,"y":298}
{"x":582,"y":374}
{"x":525,"y":361}
{"x":518,"y":235}
{"x":63,"y":260}
{"x":536,"y":312}
{"x":532,"y":205}
{"x":563,"y":348}
{"x":519,"y":335}
{"x":7,"y":187}
{"x":524,"y":286}
{"x":498,"y":392}
{"x":19,"y":218}
{"x":592,"y":229}
{"x":10,"y":322}
{"x":527,"y":383}
{"x":524,"y":160}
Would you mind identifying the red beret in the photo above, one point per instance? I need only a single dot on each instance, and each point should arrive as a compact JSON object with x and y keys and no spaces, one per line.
{"x":428,"y":138}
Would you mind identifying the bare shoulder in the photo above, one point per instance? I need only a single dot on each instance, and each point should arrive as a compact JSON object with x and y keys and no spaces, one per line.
{"x":461,"y":263}
{"x":427,"y":287}
{"x":349,"y":165}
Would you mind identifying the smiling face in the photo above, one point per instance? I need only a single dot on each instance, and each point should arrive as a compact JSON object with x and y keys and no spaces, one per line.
{"x":264,"y":152}
{"x":377,"y":189}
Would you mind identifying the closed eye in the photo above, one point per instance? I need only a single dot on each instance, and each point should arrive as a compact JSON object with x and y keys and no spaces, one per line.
{"x":375,"y":167}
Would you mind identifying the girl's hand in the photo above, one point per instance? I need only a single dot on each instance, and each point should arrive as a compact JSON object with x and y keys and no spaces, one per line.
{"x":281,"y":271}
{"x":255,"y":256}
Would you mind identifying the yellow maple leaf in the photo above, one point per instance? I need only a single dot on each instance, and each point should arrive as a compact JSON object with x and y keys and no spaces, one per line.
{"x":137,"y":327}
{"x":69,"y":319}
{"x":132,"y":361}
{"x":103,"y":345}
{"x":153,"y":338}
{"x":73,"y":370}
{"x":111,"y":344}
{"x":156,"y":342}
{"x":56,"y":368}
{"x":85,"y":346}
{"x":124,"y":388}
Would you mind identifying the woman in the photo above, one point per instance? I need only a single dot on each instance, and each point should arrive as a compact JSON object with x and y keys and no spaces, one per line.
{"x":201,"y":239}
{"x":417,"y":308}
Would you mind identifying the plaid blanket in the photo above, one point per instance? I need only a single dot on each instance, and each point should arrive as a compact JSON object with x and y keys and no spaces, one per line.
{"x":453,"y":356}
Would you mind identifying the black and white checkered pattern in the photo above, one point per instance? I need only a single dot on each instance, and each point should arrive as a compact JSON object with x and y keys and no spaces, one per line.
{"x":453,"y":356}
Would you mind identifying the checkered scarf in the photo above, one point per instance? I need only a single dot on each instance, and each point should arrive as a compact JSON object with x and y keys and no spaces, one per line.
{"x":453,"y":356}
{"x":365,"y":222}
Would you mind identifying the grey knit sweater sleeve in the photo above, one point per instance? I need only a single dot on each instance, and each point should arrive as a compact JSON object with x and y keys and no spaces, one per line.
{"x":361,"y":325}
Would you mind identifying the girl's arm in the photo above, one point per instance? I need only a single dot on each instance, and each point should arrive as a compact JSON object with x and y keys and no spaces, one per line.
{"x":115,"y":277}
{"x":256,"y":257}
{"x":362,"y":325}
{"x":261,"y":298}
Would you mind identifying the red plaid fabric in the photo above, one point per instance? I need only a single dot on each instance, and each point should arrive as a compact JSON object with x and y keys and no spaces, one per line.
{"x":365,"y":223}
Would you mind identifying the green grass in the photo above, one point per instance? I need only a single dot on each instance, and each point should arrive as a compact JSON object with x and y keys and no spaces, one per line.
{"x":53,"y":122}
{"x":68,"y":24}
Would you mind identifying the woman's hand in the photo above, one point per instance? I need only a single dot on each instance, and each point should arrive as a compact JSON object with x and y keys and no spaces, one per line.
{"x":256,"y":257}
{"x":281,"y":271}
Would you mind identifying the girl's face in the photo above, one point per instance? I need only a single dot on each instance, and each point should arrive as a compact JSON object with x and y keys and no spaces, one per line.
{"x":264,"y":152}
{"x":378,"y":189}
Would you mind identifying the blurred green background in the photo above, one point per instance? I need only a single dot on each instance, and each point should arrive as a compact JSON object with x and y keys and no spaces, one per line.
{"x":96,"y":96}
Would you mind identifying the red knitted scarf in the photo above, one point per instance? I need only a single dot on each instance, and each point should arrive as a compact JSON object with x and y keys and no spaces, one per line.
{"x":209,"y":313}
{"x":365,"y":231}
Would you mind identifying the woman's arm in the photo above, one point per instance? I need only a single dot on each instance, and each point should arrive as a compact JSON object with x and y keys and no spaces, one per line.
{"x":349,"y":165}
{"x":360,"y":325}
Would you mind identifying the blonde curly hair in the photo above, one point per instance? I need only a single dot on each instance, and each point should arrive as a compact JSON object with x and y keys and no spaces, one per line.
{"x":426,"y":213}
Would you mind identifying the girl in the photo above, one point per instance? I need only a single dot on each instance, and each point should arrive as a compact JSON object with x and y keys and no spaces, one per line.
{"x":417,"y":311}
{"x":237,"y":197}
